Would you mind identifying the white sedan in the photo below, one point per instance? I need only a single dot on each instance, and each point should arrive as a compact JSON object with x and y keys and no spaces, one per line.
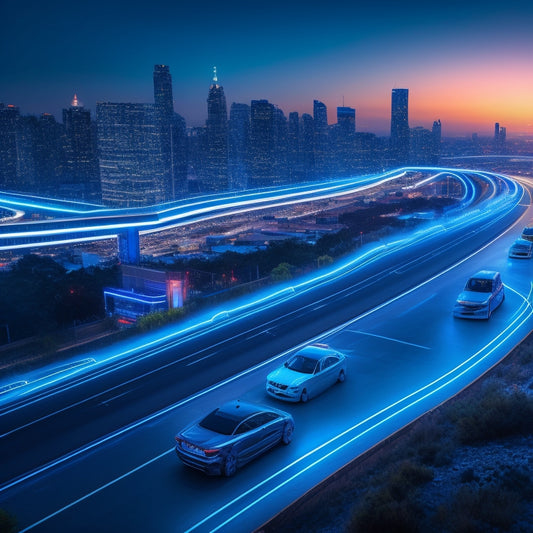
{"x":307,"y":373}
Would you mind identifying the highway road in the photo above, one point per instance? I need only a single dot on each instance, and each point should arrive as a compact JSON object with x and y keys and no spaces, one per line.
{"x":389,"y":311}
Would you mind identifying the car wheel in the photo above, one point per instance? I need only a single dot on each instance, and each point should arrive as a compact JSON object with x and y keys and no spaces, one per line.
{"x":304,"y":396}
{"x":230,"y":465}
{"x":287,"y":433}
{"x":342,"y":376}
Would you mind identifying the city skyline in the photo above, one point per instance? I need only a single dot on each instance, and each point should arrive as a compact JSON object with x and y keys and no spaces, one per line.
{"x":467,"y":64}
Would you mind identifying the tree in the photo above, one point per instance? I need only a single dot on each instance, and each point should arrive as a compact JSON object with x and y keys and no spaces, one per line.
{"x":282,"y":272}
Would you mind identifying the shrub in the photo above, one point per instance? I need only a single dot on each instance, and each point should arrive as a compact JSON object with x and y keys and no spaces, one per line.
{"x":380,"y":512}
{"x":496,"y":414}
{"x":8,"y":524}
{"x":474,"y":509}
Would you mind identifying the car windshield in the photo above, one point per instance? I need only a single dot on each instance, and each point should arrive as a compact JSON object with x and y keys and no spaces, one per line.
{"x":221,"y":422}
{"x":479,"y":285}
{"x":302,"y":364}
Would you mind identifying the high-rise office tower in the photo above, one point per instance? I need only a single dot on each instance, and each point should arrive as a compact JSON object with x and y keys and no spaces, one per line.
{"x":50,"y":157}
{"x":9,"y":123}
{"x":500,"y":133}
{"x":345,"y":141}
{"x":163,"y":99}
{"x":307,"y":146}
{"x":436,"y":133}
{"x":216,"y":175}
{"x":132,"y":167}
{"x":399,"y":133}
{"x":262,"y":144}
{"x":281,"y":171}
{"x":346,"y":121}
{"x":173,"y":135}
{"x":81,"y":172}
{"x":320,"y":120}
{"x":293,"y":148}
{"x":421,"y":146}
{"x":238,"y":145}
{"x":164,"y":110}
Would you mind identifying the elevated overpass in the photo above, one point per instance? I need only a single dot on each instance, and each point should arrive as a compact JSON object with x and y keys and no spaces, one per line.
{"x":63,"y":222}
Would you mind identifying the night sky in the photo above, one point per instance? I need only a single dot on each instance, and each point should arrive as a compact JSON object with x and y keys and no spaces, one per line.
{"x":468,"y":63}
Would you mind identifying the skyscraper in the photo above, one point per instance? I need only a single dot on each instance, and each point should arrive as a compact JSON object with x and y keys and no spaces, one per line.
{"x":81,"y":173}
{"x":238,"y":145}
{"x":346,"y":120}
{"x":293,"y":148}
{"x":163,"y":100}
{"x":216,"y":176}
{"x":50,"y":158}
{"x":307,"y":146}
{"x":320,"y":120}
{"x":261,"y":144}
{"x":345,"y":141}
{"x":436,"y":132}
{"x":131,"y":163}
{"x":9,"y":122}
{"x":399,"y":133}
{"x":172,"y":134}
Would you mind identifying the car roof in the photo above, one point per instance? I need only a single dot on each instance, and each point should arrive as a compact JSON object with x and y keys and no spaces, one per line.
{"x":523,"y":241}
{"x":315,"y":352}
{"x":240,"y":409}
{"x":486,"y":274}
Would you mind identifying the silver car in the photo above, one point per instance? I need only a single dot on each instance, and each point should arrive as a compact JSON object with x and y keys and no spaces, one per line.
{"x":521,"y":249}
{"x":482,"y":294}
{"x":527,"y":233}
{"x":307,"y":373}
{"x":230,"y":436}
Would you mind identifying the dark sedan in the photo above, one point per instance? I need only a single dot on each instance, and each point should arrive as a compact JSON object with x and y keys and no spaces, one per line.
{"x":232,"y":435}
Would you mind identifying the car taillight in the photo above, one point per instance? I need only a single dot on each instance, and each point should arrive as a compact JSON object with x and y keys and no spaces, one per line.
{"x":211,"y":453}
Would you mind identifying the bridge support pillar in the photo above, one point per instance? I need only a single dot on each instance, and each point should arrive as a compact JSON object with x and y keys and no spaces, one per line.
{"x":128,"y":247}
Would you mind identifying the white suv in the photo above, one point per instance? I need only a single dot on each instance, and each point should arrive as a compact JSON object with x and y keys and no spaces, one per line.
{"x":482,"y":294}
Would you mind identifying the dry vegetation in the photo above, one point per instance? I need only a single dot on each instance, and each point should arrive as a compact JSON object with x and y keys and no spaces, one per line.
{"x":464,"y":468}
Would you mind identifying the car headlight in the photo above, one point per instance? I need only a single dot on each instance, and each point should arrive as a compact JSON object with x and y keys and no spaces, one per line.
{"x":294,"y":389}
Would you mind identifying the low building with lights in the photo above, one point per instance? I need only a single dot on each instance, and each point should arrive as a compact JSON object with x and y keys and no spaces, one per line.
{"x":144,"y":291}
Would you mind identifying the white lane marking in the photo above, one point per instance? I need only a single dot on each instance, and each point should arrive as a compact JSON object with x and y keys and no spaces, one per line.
{"x":272,"y":359}
{"x":388,"y":338}
{"x":109,"y":400}
{"x":202,"y":358}
{"x":510,"y":329}
{"x":95,"y":491}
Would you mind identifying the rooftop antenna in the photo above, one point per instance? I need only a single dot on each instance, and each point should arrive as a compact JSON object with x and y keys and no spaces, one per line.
{"x":215,"y":79}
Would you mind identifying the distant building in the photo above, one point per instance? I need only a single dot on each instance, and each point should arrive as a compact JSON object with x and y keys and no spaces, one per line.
{"x":294,"y":161}
{"x":500,"y":134}
{"x":436,"y":132}
{"x":321,"y":145}
{"x":144,"y":291}
{"x":50,"y":148}
{"x":344,"y":141}
{"x":9,"y":120}
{"x":238,"y":145}
{"x":173,"y":135}
{"x":81,"y":175}
{"x":421,"y":146}
{"x":399,"y":136}
{"x":307,"y":146}
{"x":216,"y":165}
{"x":262,"y":144}
{"x":132,"y":166}
{"x":346,"y":121}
